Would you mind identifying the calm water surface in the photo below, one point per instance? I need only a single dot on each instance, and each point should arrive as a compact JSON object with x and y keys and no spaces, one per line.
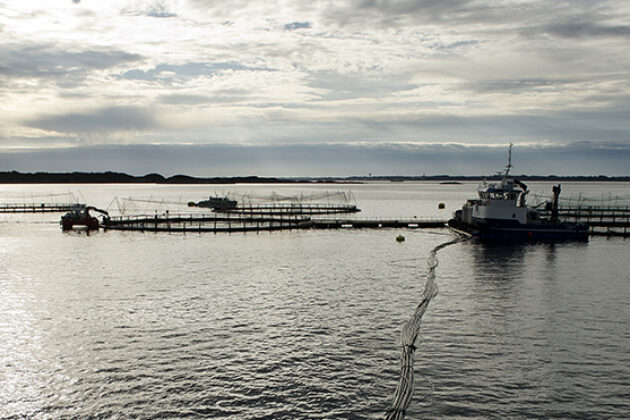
{"x":305,"y":324}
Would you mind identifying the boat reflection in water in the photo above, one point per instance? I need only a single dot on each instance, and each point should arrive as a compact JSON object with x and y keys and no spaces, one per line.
{"x":500,"y":213}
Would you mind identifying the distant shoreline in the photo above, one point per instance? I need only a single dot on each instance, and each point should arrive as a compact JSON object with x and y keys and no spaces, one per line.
{"x":122,"y":178}
{"x":15,"y":177}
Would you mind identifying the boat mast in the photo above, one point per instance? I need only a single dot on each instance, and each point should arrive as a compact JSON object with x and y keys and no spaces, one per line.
{"x":509,"y":165}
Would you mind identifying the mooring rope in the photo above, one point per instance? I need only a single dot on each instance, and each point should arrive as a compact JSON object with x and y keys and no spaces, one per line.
{"x":409,"y":334}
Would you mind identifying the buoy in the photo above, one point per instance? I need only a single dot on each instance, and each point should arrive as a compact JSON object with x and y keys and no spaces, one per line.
{"x":441,"y":206}
{"x":400,"y":238}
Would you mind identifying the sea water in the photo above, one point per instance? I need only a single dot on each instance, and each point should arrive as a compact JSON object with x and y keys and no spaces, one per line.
{"x":305,"y":324}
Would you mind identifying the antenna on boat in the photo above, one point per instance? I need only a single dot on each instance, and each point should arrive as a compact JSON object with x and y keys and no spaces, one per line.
{"x":509,"y":165}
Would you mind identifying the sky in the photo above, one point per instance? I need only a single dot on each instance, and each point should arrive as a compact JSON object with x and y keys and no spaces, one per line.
{"x":317,"y":88}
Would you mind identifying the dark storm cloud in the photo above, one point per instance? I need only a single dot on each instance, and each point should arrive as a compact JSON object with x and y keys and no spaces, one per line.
{"x":171,"y":72}
{"x":106,"y":120}
{"x":297,"y":25}
{"x":584,"y":158}
{"x":52,"y":61}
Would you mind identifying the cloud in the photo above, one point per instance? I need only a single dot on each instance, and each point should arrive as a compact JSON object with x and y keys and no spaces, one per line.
{"x":394,"y":13}
{"x":586,"y":29}
{"x":56,"y":61}
{"x":185,"y":99}
{"x":399,"y":7}
{"x":156,"y":9}
{"x":333,"y":86}
{"x":499,"y":20}
{"x":268,"y":72}
{"x":530,"y":126}
{"x":582,"y":158}
{"x":221,"y":96}
{"x":172,"y":72}
{"x":515,"y":85}
{"x":105,"y":120}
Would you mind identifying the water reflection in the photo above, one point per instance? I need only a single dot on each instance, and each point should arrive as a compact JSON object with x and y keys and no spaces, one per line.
{"x":508,"y":273}
{"x":20,"y":345}
{"x":302,"y":324}
{"x":498,"y":262}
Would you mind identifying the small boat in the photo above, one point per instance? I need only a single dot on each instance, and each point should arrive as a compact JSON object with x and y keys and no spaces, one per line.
{"x":80,"y":216}
{"x":500,"y":213}
{"x":220,"y":203}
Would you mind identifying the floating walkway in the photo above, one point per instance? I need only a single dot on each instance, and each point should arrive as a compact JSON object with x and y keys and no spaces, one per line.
{"x":245,"y":223}
{"x":359,"y":223}
{"x":36,"y":207}
{"x":202,"y":223}
{"x":291,"y":209}
{"x":602,"y":220}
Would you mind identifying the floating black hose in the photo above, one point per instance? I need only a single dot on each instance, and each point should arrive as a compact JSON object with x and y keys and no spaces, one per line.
{"x":409,"y":334}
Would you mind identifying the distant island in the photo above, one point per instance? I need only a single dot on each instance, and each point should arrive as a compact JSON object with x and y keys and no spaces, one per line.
{"x":14,"y":177}
{"x":122,"y":178}
{"x":455,"y":179}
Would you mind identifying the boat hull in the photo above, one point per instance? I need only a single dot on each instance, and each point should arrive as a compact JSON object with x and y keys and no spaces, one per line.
{"x":91,"y":223}
{"x":499,"y":230}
